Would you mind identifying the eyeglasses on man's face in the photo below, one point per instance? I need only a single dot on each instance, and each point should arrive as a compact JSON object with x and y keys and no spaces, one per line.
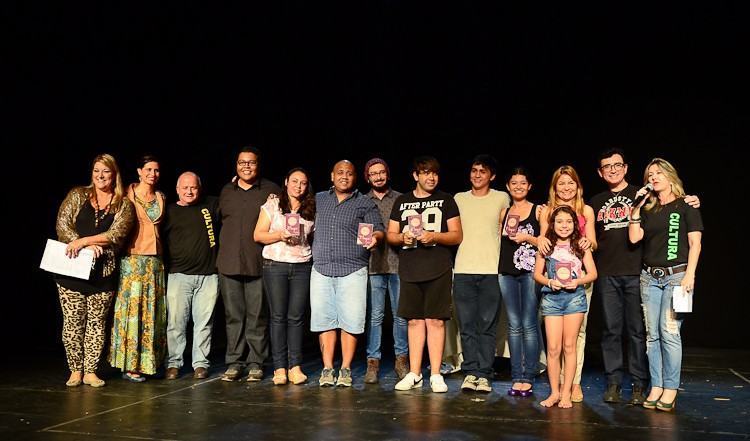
{"x":617,"y":166}
{"x":250,"y":163}
{"x":377,"y":173}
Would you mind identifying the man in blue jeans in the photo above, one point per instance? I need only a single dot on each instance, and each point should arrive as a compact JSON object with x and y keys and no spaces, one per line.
{"x":191,"y":240}
{"x":383,"y":278}
{"x":476,"y":290}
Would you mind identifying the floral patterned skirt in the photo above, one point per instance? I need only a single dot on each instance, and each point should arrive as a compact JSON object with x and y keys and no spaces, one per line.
{"x":139,"y":329}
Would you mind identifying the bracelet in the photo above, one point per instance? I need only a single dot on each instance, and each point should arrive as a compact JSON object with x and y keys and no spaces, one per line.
{"x":636,"y":221}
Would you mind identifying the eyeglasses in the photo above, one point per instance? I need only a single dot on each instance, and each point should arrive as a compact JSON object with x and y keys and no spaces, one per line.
{"x":377,"y":173}
{"x":250,"y":163}
{"x":617,"y":166}
{"x":428,"y":172}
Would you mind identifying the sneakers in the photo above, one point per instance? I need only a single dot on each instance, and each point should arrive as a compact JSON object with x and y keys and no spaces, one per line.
{"x":373,"y":367}
{"x":638,"y":397}
{"x":231,"y":374}
{"x":326,"y":378}
{"x":612,"y":394}
{"x":438,"y":384}
{"x":447,"y":368}
{"x":401,"y":366}
{"x":484,"y":385}
{"x":345,"y":378}
{"x":470,"y":383}
{"x":410,"y":381}
{"x":255,"y":373}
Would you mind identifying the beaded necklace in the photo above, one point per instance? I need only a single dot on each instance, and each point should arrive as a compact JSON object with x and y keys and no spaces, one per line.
{"x":97,"y":217}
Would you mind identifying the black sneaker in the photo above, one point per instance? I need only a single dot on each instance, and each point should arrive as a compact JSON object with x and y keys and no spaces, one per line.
{"x":638,"y":396}
{"x":612,"y":394}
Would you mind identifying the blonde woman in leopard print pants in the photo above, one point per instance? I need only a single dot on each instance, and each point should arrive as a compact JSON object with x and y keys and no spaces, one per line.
{"x":96,"y":217}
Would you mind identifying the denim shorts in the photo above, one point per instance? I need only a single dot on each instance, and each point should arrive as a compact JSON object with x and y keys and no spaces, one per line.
{"x":564,"y":302}
{"x":338,"y":302}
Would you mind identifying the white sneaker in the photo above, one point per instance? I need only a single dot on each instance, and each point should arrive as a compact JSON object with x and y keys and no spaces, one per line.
{"x":410,"y":381}
{"x":438,"y":384}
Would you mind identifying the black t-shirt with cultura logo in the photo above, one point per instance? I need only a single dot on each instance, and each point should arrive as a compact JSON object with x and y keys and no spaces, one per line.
{"x":665,"y":239}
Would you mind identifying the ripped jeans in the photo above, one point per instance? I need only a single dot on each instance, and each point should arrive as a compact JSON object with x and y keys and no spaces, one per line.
{"x":663,"y":341}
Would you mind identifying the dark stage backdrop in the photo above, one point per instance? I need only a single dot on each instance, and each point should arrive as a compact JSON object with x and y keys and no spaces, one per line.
{"x":310,"y":85}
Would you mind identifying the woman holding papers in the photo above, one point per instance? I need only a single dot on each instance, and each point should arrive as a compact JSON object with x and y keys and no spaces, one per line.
{"x":285,"y":227}
{"x":97,"y":217}
{"x":139,"y":329}
{"x":671,"y":232}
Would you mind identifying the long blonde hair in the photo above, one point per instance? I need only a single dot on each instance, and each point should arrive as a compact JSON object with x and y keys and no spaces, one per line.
{"x":579,"y":203}
{"x":119,"y":191}
{"x":675,"y":183}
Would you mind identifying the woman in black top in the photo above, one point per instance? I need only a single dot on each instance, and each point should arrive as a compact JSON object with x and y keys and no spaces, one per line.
{"x":96,"y":217}
{"x":671,"y":232}
{"x":517,"y":257}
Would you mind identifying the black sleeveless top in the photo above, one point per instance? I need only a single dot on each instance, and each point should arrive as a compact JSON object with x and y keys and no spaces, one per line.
{"x":517,"y":259}
{"x":85,"y":226}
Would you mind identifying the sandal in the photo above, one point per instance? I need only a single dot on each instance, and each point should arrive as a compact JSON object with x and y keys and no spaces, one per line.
{"x":296,"y":376}
{"x":133,"y":377}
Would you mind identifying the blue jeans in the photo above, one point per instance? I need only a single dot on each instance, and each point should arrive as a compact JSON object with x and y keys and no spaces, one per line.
{"x":379,"y":283}
{"x":287,"y":287}
{"x":521,"y":307}
{"x":190,"y":295}
{"x":663,"y":341}
{"x":476,"y":298}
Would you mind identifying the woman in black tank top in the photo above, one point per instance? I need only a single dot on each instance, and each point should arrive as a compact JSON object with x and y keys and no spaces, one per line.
{"x":517,"y":254}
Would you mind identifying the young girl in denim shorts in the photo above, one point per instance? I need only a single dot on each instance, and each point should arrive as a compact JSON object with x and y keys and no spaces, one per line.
{"x":563,"y":302}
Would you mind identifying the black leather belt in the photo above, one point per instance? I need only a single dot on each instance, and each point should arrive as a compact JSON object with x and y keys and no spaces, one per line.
{"x":663,"y":271}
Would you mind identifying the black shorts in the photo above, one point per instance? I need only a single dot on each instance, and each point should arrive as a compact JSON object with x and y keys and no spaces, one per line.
{"x":429,"y":299}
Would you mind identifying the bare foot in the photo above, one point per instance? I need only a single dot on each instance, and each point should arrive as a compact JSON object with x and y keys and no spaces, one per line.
{"x":517,"y":386}
{"x":524,"y":386}
{"x":551,"y":400}
{"x":75,"y":376}
{"x":565,"y":402}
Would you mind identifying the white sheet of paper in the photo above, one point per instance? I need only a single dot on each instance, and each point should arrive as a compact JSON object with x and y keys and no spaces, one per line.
{"x":682,"y":301}
{"x":55,"y":261}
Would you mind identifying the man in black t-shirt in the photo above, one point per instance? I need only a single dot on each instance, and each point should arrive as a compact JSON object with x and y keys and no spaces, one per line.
{"x":191,"y":235}
{"x":618,"y":263}
{"x":425,"y":225}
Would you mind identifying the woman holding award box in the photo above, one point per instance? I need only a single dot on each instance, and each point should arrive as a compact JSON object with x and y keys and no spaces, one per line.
{"x":565,"y":189}
{"x":564,"y":300}
{"x":285,"y":226}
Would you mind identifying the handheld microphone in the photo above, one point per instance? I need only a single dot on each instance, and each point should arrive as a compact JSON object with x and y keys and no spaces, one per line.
{"x":639,"y":199}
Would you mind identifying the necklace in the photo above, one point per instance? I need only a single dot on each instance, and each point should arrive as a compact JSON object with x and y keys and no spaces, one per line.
{"x":97,"y":217}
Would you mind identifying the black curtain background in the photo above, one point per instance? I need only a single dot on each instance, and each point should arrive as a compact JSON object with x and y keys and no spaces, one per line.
{"x":310,"y":84}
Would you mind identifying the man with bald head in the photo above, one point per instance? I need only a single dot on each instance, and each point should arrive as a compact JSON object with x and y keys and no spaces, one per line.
{"x":191,"y":234}
{"x":338,"y":283}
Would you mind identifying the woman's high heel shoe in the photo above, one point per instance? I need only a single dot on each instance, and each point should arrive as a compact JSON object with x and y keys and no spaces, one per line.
{"x":650,"y":404}
{"x":667,"y":407}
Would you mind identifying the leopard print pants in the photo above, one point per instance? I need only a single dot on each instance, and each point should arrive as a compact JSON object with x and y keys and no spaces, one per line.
{"x":84,"y":320}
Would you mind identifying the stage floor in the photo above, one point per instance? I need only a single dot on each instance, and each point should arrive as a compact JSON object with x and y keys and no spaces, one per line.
{"x":714,"y":404}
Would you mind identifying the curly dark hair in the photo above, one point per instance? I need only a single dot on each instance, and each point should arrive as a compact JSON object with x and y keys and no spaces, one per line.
{"x":575,"y":248}
{"x":307,"y":200}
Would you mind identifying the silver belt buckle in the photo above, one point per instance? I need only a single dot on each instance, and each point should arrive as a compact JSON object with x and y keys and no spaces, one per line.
{"x":658,"y":272}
